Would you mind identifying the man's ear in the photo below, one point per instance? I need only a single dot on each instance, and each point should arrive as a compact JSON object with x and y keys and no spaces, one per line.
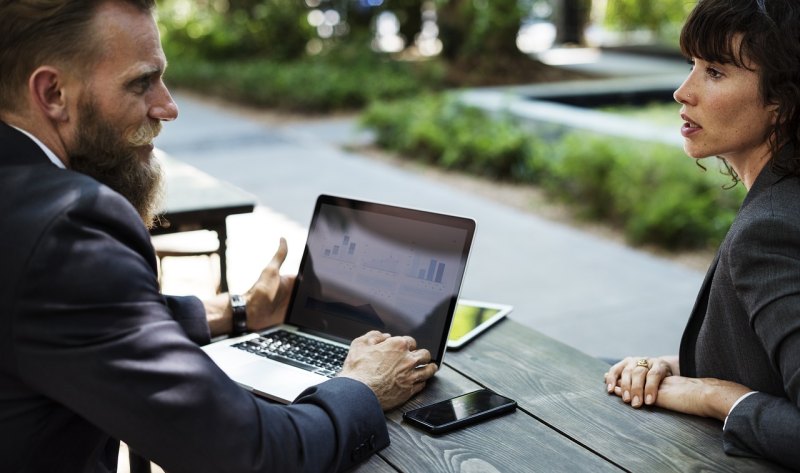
{"x":47,"y":92}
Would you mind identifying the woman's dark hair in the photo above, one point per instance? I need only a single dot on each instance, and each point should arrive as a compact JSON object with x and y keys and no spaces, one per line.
{"x":37,"y":32}
{"x":770,"y":38}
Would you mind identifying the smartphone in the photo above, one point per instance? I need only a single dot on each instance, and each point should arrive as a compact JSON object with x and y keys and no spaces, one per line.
{"x":460,"y":411}
{"x":471,"y":318}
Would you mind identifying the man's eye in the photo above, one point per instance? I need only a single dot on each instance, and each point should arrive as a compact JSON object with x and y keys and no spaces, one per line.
{"x":713,"y":73}
{"x":691,"y":64}
{"x":141,"y":85}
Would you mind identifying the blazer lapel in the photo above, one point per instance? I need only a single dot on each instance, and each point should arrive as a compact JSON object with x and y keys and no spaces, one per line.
{"x":689,"y":339}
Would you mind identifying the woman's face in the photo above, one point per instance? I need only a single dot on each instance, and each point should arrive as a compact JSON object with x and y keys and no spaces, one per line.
{"x":724,"y":114}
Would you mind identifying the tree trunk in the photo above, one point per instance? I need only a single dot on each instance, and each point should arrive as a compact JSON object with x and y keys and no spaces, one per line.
{"x":571,"y":17}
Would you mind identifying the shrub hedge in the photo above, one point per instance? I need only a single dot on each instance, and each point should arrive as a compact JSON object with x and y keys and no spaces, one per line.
{"x":337,"y":80}
{"x":653,"y":191}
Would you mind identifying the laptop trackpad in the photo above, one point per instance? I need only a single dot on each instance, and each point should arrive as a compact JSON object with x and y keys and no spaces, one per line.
{"x":268,"y":378}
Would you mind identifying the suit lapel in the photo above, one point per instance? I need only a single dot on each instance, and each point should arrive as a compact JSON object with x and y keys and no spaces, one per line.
{"x":689,"y":339}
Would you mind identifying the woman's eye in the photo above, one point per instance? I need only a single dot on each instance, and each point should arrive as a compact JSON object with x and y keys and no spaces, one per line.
{"x":713,"y":73}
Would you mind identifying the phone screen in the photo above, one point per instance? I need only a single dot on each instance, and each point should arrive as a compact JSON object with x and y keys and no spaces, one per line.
{"x":460,"y":411}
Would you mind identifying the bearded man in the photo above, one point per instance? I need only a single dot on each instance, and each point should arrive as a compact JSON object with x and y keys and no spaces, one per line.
{"x":90,"y":351}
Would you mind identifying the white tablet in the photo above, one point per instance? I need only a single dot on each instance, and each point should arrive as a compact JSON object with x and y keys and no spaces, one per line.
{"x":471,"y":318}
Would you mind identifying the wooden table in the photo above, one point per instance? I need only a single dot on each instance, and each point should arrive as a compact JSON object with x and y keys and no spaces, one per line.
{"x":198,"y":201}
{"x":565,"y":421}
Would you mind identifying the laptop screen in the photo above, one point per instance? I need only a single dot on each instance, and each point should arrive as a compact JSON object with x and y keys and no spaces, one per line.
{"x":369,"y":266}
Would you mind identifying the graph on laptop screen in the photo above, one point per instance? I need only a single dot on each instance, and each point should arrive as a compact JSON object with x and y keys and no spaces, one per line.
{"x":396,"y":271}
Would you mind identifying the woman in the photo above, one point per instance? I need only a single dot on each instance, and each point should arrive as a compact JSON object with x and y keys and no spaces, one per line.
{"x":740,"y":354}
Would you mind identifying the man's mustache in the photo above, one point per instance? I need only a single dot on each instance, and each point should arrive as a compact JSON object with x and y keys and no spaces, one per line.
{"x":145,"y":134}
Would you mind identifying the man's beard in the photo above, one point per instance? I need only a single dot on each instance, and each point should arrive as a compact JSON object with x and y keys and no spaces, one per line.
{"x":104,"y":153}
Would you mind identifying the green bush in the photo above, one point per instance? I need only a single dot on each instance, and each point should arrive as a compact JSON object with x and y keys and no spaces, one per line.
{"x":663,"y":17}
{"x":440,"y":130}
{"x":332,"y":81}
{"x":580,"y":172}
{"x":653,"y":191}
{"x":213,"y":30}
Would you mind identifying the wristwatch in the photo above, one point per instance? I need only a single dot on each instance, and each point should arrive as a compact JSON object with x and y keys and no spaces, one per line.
{"x":239,"y":311}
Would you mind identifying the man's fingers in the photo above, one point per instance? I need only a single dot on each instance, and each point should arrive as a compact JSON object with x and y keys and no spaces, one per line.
{"x":422,"y":374}
{"x":427,"y":371}
{"x":422,"y":356}
{"x":372,"y":337}
{"x":280,"y":254}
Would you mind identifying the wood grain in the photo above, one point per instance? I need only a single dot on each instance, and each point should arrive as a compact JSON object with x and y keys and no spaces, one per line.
{"x":564,"y":389}
{"x":514,"y":442}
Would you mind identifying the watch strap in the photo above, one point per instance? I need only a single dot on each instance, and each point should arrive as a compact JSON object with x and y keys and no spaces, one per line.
{"x":239,"y":313}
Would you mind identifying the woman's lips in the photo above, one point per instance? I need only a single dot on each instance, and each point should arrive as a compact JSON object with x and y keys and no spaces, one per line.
{"x":689,"y":127}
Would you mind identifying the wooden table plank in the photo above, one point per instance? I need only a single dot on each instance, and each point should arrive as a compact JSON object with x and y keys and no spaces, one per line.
{"x":375,"y":464}
{"x":192,"y":191}
{"x":515,"y":442}
{"x":564,"y":388}
{"x":198,"y":201}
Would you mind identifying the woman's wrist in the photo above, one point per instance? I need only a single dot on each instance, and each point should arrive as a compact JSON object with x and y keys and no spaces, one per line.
{"x":719,"y":397}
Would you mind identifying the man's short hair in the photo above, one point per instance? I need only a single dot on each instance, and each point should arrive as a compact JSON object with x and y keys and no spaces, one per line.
{"x":38,"y":32}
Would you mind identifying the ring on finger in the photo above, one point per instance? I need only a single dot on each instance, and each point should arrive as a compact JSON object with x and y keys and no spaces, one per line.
{"x":643,"y":363}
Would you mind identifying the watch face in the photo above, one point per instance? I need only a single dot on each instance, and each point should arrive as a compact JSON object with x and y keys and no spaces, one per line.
{"x":237,"y":302}
{"x":239,"y":312}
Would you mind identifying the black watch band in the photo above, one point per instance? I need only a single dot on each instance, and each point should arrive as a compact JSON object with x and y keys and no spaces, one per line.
{"x":239,"y":311}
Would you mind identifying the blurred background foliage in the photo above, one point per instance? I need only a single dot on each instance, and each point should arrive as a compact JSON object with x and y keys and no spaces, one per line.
{"x":662,"y":18}
{"x":652,"y":191}
{"x":290,"y":29}
{"x":392,"y":58}
{"x":423,"y":44}
{"x":228,"y":29}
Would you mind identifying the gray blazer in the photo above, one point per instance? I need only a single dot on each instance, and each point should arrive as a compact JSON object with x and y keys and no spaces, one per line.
{"x":745,"y":326}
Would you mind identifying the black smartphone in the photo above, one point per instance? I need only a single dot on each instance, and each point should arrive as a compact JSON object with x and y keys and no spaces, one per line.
{"x":460,"y":411}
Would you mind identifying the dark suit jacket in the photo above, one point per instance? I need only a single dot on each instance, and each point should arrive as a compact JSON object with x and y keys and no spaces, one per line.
{"x":90,"y":351}
{"x":745,"y":326}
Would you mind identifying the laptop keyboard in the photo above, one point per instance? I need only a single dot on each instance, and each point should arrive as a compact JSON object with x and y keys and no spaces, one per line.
{"x":296,"y":350}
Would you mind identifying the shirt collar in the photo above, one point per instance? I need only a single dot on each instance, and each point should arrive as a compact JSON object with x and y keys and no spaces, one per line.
{"x":50,"y":154}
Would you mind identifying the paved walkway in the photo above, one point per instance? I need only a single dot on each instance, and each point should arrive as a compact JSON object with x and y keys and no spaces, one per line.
{"x":601,"y":297}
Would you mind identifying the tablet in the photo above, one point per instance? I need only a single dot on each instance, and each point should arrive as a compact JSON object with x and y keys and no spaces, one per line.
{"x":471,"y":318}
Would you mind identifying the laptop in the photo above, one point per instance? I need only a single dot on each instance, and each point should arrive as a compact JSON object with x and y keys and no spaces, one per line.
{"x":366,"y":266}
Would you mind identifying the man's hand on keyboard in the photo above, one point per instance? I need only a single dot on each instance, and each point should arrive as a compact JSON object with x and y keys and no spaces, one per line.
{"x":391,"y":366}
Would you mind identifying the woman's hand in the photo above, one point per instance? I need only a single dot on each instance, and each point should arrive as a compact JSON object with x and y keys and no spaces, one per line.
{"x":268,"y":299}
{"x":637,"y":379}
{"x":706,"y":397}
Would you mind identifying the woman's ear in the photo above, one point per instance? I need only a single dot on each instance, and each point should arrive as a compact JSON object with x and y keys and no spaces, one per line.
{"x":47,"y":92}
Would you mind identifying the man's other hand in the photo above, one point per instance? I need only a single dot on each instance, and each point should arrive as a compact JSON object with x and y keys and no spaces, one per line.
{"x":391,"y":366}
{"x":268,"y":299}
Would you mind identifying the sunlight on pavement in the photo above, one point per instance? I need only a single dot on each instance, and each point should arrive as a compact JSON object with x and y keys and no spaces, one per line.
{"x":252,"y":240}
